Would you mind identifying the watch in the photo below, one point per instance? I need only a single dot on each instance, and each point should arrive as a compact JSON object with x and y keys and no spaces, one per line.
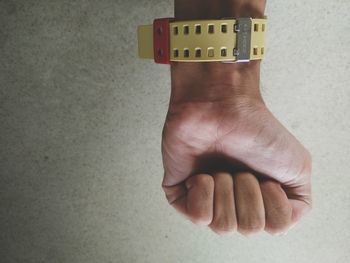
{"x":227,"y":40}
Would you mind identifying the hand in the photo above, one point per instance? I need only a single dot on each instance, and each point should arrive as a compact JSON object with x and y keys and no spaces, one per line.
{"x":228,"y":162}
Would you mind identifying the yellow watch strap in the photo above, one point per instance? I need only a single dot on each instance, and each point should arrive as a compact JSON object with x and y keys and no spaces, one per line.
{"x":145,"y":41}
{"x":236,"y":39}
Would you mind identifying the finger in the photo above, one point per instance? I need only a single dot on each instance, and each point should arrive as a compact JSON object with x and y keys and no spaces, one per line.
{"x":278,"y":211}
{"x":299,"y":208}
{"x":249,"y":203}
{"x":299,"y":196}
{"x":200,"y":197}
{"x":194,"y":199}
{"x":224,"y":220}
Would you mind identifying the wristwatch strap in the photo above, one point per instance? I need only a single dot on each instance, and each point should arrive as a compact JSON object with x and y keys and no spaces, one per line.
{"x":226,"y":40}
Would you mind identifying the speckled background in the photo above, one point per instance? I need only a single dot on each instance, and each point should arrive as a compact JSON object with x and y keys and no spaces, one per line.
{"x":80,"y":128}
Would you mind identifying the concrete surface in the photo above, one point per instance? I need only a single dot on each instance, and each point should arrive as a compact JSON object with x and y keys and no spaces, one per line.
{"x":80,"y":128}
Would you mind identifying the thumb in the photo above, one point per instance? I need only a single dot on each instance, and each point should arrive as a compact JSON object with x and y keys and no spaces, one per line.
{"x":193,"y":198}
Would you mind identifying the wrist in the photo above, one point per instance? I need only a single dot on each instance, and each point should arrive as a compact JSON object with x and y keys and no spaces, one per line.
{"x":214,"y":81}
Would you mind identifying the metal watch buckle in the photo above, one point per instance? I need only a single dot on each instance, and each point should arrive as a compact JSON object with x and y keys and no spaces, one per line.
{"x":243,"y":28}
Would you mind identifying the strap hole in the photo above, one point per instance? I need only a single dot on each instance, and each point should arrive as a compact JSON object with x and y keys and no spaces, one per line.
{"x":160,"y":30}
{"x":186,"y":30}
{"x":198,"y":29}
{"x":256,"y":27}
{"x":210,"y":52}
{"x":224,"y":28}
{"x":186,"y":53}
{"x":223,"y":52}
{"x":211,"y":29}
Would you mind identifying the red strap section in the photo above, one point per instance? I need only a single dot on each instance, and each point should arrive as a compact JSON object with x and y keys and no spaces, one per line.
{"x":161,"y":43}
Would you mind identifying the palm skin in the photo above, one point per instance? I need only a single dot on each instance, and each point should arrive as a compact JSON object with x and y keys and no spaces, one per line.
{"x":230,"y":164}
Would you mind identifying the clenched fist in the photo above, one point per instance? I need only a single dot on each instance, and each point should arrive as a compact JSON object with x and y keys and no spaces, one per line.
{"x":229,"y":163}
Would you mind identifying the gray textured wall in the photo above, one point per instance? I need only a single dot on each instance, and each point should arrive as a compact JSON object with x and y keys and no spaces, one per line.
{"x":80,"y":127}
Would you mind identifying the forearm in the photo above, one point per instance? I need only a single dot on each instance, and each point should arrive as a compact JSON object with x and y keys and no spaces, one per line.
{"x":214,"y":81}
